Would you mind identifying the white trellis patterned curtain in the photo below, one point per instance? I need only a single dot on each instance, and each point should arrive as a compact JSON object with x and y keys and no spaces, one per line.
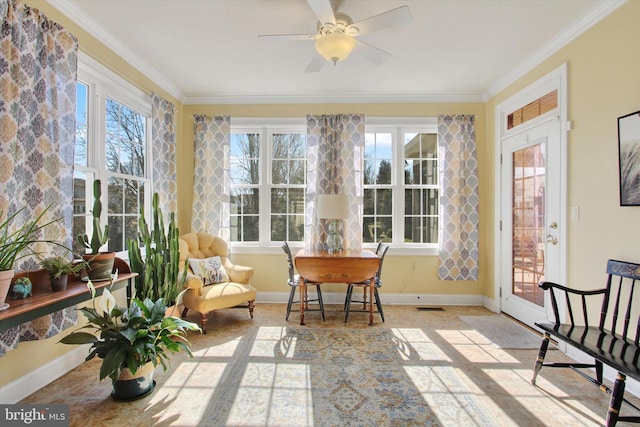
{"x":38,"y":64}
{"x":458,"y":198}
{"x":335,"y":163}
{"x":211,"y":210}
{"x":163,"y":132}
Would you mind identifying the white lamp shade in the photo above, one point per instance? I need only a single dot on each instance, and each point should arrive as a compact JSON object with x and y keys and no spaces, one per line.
{"x":333,"y":206}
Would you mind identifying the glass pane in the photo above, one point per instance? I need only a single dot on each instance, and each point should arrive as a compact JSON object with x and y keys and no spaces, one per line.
{"x":131,"y":199}
{"x":384,"y":202}
{"x":112,"y":153}
{"x":368,"y":234}
{"x":250,"y":228}
{"x":411,"y":171}
{"x":116,"y":234}
{"x":369,"y":201}
{"x":430,"y":172}
{"x":82,"y":123}
{"x":296,"y":228}
{"x":278,"y":228}
{"x":412,"y":229}
{"x":430,"y":200}
{"x":131,"y":228}
{"x":115,"y":195}
{"x":384,"y":172}
{"x":279,"y":169}
{"x":297,"y":172}
{"x":296,"y":200}
{"x":112,"y":116}
{"x":278,"y":200}
{"x":528,"y":247}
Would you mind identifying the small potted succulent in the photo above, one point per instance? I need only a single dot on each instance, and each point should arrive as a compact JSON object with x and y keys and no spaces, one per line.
{"x":59,"y":268}
{"x":100,"y":263}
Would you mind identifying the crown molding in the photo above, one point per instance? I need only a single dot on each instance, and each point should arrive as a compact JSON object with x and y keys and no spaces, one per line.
{"x":590,"y":19}
{"x":121,"y":50}
{"x":344,"y":98}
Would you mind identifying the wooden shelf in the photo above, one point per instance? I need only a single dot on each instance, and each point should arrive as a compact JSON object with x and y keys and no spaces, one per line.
{"x":44,"y":301}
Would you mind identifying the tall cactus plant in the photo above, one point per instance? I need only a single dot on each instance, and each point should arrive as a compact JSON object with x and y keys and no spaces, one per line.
{"x":100,"y":235}
{"x":158,"y":270}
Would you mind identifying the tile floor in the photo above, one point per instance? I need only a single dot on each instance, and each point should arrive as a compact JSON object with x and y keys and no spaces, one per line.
{"x":497,"y":378}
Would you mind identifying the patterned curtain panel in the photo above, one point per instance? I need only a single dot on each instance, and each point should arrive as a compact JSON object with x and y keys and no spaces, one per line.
{"x":163,"y":132}
{"x":211,"y":211}
{"x":335,"y":165}
{"x":38,"y":66}
{"x":458,"y":198}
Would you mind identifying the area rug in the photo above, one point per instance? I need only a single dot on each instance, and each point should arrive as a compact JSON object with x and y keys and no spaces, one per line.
{"x":322,"y":377}
{"x":502,"y":332}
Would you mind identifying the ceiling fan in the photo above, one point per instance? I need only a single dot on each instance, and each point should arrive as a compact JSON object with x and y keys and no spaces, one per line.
{"x":337,"y":34}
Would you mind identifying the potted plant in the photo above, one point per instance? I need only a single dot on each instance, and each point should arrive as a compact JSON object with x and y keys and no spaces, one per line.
{"x":59,"y":268}
{"x":14,"y":244}
{"x":100,"y":263}
{"x":158,"y":268}
{"x":131,"y":341}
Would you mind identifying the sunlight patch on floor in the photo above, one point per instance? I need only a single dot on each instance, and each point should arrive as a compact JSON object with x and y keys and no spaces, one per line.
{"x":414,"y":340}
{"x":448,"y":396}
{"x":264,"y":384}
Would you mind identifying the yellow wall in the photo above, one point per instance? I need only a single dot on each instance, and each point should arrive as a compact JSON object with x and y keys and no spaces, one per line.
{"x":399,"y":275}
{"x":603,"y":84}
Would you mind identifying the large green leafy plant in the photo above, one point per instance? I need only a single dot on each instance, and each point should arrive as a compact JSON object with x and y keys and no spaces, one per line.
{"x":129,"y":338}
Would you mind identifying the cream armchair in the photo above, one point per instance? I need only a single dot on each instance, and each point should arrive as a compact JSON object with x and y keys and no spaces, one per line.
{"x":230,"y":290}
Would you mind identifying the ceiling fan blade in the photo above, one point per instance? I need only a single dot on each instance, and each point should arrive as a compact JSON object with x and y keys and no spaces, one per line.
{"x":372,"y":53}
{"x":285,"y":37}
{"x":391,"y":18}
{"x":316,"y":64}
{"x":322,"y":10}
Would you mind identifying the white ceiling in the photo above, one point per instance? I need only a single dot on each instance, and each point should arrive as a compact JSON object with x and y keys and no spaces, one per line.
{"x":207,"y":51}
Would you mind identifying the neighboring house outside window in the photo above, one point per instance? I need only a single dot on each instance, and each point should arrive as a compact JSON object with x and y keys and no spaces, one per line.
{"x":112,"y":144}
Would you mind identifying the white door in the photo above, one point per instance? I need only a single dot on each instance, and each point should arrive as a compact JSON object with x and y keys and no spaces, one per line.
{"x":531,"y":219}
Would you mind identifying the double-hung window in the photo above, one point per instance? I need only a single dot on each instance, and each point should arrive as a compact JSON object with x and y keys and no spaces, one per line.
{"x":112,"y":144}
{"x":268,"y":176}
{"x":401,"y":184}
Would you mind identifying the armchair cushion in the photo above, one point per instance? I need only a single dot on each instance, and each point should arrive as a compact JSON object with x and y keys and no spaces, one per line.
{"x":210,"y":270}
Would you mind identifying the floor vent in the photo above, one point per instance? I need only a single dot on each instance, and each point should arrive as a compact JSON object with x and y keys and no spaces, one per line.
{"x":429,"y":308}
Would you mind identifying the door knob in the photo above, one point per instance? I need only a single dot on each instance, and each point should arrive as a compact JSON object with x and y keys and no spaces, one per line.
{"x":552,"y":239}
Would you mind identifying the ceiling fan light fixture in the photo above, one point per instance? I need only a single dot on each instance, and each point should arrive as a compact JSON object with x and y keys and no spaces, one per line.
{"x":335,"y":46}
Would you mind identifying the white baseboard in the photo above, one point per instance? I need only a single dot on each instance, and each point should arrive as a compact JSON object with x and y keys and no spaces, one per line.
{"x":428,"y":300}
{"x":28,"y":384}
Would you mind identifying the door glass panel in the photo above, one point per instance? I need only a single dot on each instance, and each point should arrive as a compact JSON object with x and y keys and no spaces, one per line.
{"x":528,"y":198}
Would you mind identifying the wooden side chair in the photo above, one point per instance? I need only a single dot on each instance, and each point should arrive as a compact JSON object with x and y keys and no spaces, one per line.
{"x":294,"y":281}
{"x":381,"y":251}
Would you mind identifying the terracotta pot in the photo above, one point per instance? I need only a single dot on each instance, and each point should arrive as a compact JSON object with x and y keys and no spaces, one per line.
{"x":100,"y":265}
{"x":59,"y":284}
{"x":5,"y":284}
{"x":130,"y":386}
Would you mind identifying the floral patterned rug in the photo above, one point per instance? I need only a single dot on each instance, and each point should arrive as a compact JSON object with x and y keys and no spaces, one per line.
{"x":305,"y":376}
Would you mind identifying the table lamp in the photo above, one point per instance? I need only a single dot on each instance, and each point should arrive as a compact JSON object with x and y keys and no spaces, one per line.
{"x":335,"y":208}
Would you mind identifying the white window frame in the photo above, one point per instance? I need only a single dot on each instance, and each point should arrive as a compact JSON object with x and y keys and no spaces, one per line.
{"x":397,"y":126}
{"x":265,"y":128}
{"x":103,"y":83}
